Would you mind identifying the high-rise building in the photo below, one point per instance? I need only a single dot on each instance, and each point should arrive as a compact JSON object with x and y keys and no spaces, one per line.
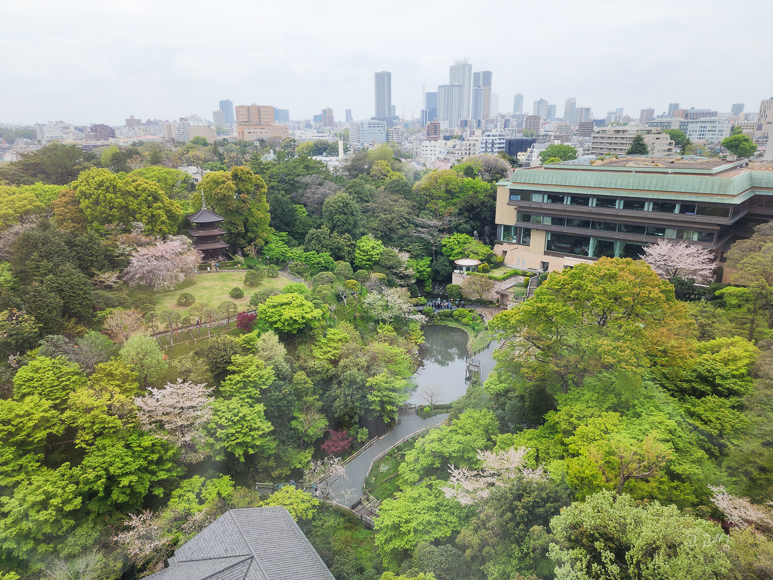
{"x":449,"y":104}
{"x":532,"y":123}
{"x":430,"y":104}
{"x":570,"y":109}
{"x":736,"y":110}
{"x":583,"y":114}
{"x":483,"y":79}
{"x":478,"y":94}
{"x":354,"y":133}
{"x":254,"y":115}
{"x":541,"y":108}
{"x":585,"y":128}
{"x":132,"y":122}
{"x":494,"y":107}
{"x":461,"y":74}
{"x":327,"y":117}
{"x":281,"y":115}
{"x":433,"y":131}
{"x":373,"y":131}
{"x":348,"y":115}
{"x":765,"y":118}
{"x":255,"y":122}
{"x":551,"y":112}
{"x":228,"y":108}
{"x":518,"y":104}
{"x":218,"y":117}
{"x":394,"y":111}
{"x":671,"y":108}
{"x":383,"y":95}
{"x":646,"y":116}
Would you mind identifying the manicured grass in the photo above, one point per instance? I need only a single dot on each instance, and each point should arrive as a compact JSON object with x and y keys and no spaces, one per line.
{"x":214,"y":287}
{"x":382,"y":483}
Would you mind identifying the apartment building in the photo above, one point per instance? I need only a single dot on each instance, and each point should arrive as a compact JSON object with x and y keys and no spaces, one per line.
{"x":708,"y":130}
{"x":493,"y":142}
{"x":617,"y":140}
{"x":397,"y":135}
{"x":558,"y":215}
{"x":433,"y":131}
{"x":585,"y":128}
{"x":765,"y":118}
{"x":254,"y":115}
{"x":693,"y":114}
{"x":532,"y":123}
{"x":255,"y":122}
{"x":185,"y":131}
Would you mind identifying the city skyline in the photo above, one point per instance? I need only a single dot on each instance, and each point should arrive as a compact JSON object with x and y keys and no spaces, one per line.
{"x":144,"y":67}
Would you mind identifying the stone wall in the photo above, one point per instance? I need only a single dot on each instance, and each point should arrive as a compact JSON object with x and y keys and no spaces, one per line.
{"x":458,"y":278}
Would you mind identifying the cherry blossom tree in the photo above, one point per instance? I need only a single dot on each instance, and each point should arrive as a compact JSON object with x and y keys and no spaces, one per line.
{"x":325,"y":474}
{"x":670,"y":259}
{"x":120,"y":325}
{"x":162,"y":266}
{"x":741,"y":512}
{"x":469,"y":486}
{"x":176,"y":413}
{"x":391,"y":303}
{"x":145,"y":541}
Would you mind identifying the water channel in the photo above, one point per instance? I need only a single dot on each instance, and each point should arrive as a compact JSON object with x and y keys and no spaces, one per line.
{"x":443,"y":363}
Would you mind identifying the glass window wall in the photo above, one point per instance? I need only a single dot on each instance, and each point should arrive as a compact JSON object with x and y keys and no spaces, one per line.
{"x":554,"y":198}
{"x":516,"y":195}
{"x":524,"y":217}
{"x":634,"y":204}
{"x":631,"y":229}
{"x":553,"y":221}
{"x":605,"y":226}
{"x":663,"y":206}
{"x":525,"y":236}
{"x":687,"y":208}
{"x":695,"y":235}
{"x":508,"y":233}
{"x":567,"y":244}
{"x":575,"y":223}
{"x":579,"y":200}
{"x":609,"y":202}
{"x":713,"y":211}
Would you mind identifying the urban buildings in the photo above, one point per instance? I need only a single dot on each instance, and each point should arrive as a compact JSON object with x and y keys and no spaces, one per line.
{"x":461,"y":74}
{"x":348,"y":115}
{"x":255,"y":122}
{"x":671,"y":108}
{"x":218,"y":118}
{"x":541,"y":108}
{"x":478,"y":95}
{"x":430,"y":105}
{"x":383,"y":82}
{"x":532,"y":123}
{"x":692,"y":113}
{"x":707,"y":130}
{"x":736,"y":110}
{"x":433,"y":131}
{"x":187,"y":130}
{"x":327,"y":117}
{"x":551,"y":112}
{"x":617,"y":140}
{"x":518,"y":104}
{"x":646,"y":116}
{"x":559,"y":215}
{"x":493,"y":105}
{"x":370,"y":132}
{"x":493,"y":142}
{"x":765,"y":119}
{"x":449,"y":106}
{"x":281,"y":115}
{"x":101,"y":132}
{"x":585,"y":128}
{"x":483,"y":79}
{"x":354,"y":134}
{"x":397,"y":135}
{"x":518,"y":145}
{"x":570,"y":110}
{"x":583,"y":115}
{"x":228,"y":108}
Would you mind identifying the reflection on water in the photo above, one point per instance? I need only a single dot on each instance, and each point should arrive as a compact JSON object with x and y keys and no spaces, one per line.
{"x":443,"y":363}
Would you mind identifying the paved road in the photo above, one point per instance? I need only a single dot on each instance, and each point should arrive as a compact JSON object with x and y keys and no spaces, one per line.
{"x":348,"y":493}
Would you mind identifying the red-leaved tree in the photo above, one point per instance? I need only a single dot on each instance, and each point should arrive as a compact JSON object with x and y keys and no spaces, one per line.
{"x":246,"y":320}
{"x":339,"y":442}
{"x":162,"y":266}
{"x":671,"y":259}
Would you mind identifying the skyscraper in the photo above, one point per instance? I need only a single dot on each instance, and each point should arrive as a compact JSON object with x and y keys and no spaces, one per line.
{"x":541,"y":108}
{"x":430,"y":108}
{"x":494,"y":105}
{"x":218,"y":117}
{"x":736,"y":109}
{"x":228,"y":108}
{"x":582,"y":114}
{"x":671,"y":108}
{"x":551,"y":112}
{"x":646,"y":116}
{"x":383,"y":95}
{"x":348,"y":115}
{"x":461,"y":74}
{"x":518,"y":104}
{"x":483,"y":79}
{"x":570,"y":111}
{"x":327,"y":117}
{"x":449,"y":105}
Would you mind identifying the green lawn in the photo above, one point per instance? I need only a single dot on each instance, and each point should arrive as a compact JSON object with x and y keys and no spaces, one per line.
{"x":214,"y":288}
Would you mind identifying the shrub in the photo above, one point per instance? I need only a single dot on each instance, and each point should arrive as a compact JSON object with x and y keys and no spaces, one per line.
{"x":272,"y":271}
{"x":236,"y":293}
{"x":185,"y":299}
{"x":246,"y":320}
{"x":299,"y":269}
{"x":454,"y":291}
{"x":251,"y":278}
{"x":262,"y":295}
{"x":339,"y":442}
{"x":428,"y":312}
{"x":485,"y":268}
{"x":526,"y":282}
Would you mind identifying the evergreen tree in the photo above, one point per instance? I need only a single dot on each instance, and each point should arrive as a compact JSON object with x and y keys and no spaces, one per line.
{"x":638,"y":146}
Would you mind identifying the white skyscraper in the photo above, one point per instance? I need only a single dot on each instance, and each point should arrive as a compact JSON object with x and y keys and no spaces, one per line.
{"x":478,"y":96}
{"x":494,"y":108}
{"x":449,"y":105}
{"x":541,"y":108}
{"x":570,"y":108}
{"x":461,"y":74}
{"x":518,"y":104}
{"x":383,"y":95}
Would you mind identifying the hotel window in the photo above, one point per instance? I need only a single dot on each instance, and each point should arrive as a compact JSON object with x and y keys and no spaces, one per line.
{"x":578,"y":200}
{"x":634,"y":204}
{"x":605,"y":226}
{"x":516,"y":195}
{"x":524,"y":217}
{"x":609,"y":202}
{"x":567,"y":244}
{"x":659,"y":232}
{"x":663,"y":206}
{"x":695,"y":235}
{"x":508,"y":233}
{"x":713,"y":211}
{"x":525,"y":236}
{"x":575,"y":223}
{"x":631,"y":229}
{"x":687,"y":208}
{"x":554,"y":198}
{"x":554,"y":221}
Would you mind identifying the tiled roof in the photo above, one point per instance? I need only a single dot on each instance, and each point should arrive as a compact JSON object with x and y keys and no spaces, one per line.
{"x":204,"y":216}
{"x":248,"y":544}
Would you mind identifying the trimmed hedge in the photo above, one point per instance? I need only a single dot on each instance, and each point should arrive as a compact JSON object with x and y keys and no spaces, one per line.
{"x":507,"y":276}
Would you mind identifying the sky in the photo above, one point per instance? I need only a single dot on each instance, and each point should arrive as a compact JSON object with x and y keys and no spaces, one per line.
{"x":92,"y":61}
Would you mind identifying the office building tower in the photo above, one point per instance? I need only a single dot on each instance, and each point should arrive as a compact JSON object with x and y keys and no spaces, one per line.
{"x":228,"y":108}
{"x":551,"y":112}
{"x":736,"y":110}
{"x":449,"y":105}
{"x":383,"y":95}
{"x":354,"y":133}
{"x":218,"y":118}
{"x":281,"y":115}
{"x":518,"y":104}
{"x":541,"y":108}
{"x":646,"y":116}
{"x":765,"y":118}
{"x":254,"y":115}
{"x":483,"y":79}
{"x":461,"y":74}
{"x":671,"y":108}
{"x":430,"y":104}
{"x":532,"y":123}
{"x":478,"y":94}
{"x":583,"y":114}
{"x":255,"y":122}
{"x":394,"y":111}
{"x":348,"y":115}
{"x":494,"y":109}
{"x":327,"y":117}
{"x":433,"y":131}
{"x":372,"y":132}
{"x":570,"y":110}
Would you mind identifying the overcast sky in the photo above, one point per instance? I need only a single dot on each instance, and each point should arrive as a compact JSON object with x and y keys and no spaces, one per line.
{"x":98,"y":61}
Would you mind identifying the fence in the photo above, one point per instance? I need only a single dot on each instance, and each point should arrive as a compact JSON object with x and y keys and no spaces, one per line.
{"x":362,"y":449}
{"x":403,"y":440}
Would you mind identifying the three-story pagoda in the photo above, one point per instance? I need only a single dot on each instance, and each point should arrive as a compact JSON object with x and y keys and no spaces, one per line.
{"x":206,"y":234}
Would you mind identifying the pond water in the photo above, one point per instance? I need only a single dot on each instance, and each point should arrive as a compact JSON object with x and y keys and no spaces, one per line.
{"x":443,"y":365}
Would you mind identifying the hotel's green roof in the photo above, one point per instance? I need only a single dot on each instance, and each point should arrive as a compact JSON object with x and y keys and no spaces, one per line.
{"x":735,"y":188}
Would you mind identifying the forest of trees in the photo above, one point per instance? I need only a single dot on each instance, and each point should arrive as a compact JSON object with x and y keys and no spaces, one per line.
{"x":624,"y":433}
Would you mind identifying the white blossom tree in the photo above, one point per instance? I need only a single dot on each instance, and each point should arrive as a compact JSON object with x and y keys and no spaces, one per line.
{"x":391,"y":303}
{"x":469,"y":486}
{"x":325,"y":473}
{"x":741,"y":512}
{"x":162,"y":266}
{"x":672,"y":259}
{"x":120,"y":325}
{"x":176,"y":414}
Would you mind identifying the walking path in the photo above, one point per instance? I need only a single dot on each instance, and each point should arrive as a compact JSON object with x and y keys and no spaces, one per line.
{"x":347,"y":493}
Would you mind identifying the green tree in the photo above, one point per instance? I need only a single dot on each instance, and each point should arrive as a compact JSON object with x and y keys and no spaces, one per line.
{"x":51,"y":378}
{"x":611,"y":536}
{"x":301,"y":505}
{"x":288,"y":313}
{"x":739,"y":145}
{"x":367,"y":252}
{"x":678,"y":137}
{"x":54,"y":163}
{"x":143,"y":355}
{"x":562,"y":152}
{"x":239,"y":427}
{"x":638,"y":146}
{"x":387,"y":394}
{"x":18,"y":332}
{"x":459,"y":246}
{"x":342,"y":215}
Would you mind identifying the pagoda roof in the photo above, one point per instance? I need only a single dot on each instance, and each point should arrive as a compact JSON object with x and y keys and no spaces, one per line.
{"x":206,"y":233}
{"x":204,"y":216}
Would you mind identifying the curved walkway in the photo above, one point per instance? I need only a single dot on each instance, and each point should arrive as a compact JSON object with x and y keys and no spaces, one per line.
{"x":347,"y":493}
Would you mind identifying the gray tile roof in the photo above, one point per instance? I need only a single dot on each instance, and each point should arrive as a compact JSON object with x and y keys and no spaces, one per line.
{"x":248,"y":544}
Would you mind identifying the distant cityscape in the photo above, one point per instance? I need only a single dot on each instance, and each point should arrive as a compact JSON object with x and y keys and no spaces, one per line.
{"x":451,"y":122}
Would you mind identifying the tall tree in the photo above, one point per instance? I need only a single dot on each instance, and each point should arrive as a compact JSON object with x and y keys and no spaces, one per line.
{"x":680,"y":260}
{"x":638,"y":146}
{"x":740,"y":145}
